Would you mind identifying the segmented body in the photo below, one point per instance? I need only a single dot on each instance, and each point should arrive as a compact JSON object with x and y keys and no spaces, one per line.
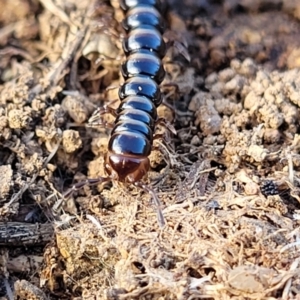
{"x":131,"y":139}
{"x":132,"y":135}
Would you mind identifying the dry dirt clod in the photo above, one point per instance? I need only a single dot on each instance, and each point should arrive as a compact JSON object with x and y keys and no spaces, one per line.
{"x":25,"y":290}
{"x":78,"y":107}
{"x":229,"y":193}
{"x":71,"y":141}
{"x":6,"y":174}
{"x":251,"y":279}
{"x":258,"y":153}
{"x":17,"y":119}
{"x":251,"y":188}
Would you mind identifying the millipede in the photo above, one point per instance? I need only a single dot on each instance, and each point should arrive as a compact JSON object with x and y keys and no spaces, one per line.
{"x":133,"y":132}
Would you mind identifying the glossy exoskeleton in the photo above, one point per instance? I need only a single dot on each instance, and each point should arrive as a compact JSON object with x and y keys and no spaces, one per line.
{"x":131,"y":138}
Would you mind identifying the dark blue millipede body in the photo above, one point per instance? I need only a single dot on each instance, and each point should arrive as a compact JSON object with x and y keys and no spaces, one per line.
{"x":144,"y":38}
{"x":141,"y":86}
{"x":141,"y":103}
{"x":127,"y":4}
{"x":144,"y":16}
{"x":145,"y":64}
{"x":132,"y":136}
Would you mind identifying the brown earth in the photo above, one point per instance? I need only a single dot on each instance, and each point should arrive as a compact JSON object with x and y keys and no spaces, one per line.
{"x":228,"y":181}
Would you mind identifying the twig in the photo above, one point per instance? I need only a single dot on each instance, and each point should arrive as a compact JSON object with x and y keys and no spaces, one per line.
{"x":288,"y":284}
{"x":291,"y":167}
{"x":9,"y":292}
{"x":20,"y":234}
{"x":49,"y":5}
{"x":21,"y":191}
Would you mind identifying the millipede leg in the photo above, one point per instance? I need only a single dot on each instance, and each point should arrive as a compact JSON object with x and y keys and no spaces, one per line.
{"x":180,"y":47}
{"x":167,"y":152}
{"x":162,"y":136}
{"x":165,"y":140}
{"x":81,"y":184}
{"x":160,"y":216}
{"x":101,"y":124}
{"x":165,"y":137}
{"x":166,"y":124}
{"x":171,"y":85}
{"x":182,"y":50}
{"x":96,"y":119}
{"x":171,"y":91}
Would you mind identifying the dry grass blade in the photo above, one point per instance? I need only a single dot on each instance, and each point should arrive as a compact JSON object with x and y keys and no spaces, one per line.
{"x":229,"y":185}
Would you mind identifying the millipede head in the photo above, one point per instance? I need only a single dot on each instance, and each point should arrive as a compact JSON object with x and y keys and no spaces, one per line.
{"x":126,"y":168}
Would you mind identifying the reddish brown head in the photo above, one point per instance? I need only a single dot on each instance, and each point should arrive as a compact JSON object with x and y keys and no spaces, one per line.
{"x":126,"y":168}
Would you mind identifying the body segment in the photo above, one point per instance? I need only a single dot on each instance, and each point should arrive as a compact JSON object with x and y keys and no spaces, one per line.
{"x":132,"y":136}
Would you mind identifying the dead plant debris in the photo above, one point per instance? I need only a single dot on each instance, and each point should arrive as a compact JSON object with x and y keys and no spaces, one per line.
{"x":229,"y":181}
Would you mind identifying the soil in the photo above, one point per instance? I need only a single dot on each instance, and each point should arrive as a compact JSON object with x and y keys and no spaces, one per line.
{"x":228,"y":181}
